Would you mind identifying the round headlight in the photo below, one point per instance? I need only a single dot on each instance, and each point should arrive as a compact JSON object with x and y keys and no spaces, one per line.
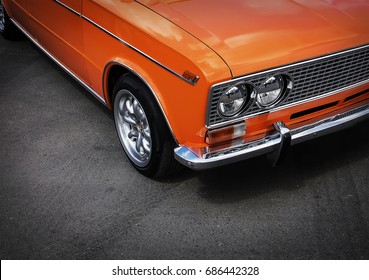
{"x":233,"y":100}
{"x":270,"y":91}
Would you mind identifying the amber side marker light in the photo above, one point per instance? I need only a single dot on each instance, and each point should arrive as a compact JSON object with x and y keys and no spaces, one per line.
{"x":191,"y":77}
{"x":225,"y":134}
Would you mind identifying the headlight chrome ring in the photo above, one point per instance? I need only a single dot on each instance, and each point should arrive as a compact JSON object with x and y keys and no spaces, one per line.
{"x":273,"y":90}
{"x":236,"y":99}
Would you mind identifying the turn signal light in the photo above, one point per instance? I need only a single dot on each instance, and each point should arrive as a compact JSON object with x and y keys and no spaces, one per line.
{"x":224,"y":134}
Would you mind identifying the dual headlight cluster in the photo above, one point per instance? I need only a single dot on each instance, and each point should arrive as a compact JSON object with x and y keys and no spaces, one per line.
{"x":240,"y":97}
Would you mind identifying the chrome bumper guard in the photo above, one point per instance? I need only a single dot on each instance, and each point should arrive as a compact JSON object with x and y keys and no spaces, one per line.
{"x":275,"y":144}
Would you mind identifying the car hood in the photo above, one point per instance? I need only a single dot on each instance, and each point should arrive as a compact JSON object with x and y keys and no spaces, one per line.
{"x":250,"y":35}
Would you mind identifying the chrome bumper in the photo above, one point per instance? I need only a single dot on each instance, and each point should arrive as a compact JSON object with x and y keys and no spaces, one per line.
{"x":275,"y":144}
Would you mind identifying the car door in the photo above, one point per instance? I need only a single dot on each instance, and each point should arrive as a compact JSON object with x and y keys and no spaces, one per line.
{"x":57,"y":26}
{"x":19,"y":11}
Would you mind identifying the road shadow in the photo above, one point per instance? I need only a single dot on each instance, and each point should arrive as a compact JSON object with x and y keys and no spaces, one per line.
{"x":256,"y":176}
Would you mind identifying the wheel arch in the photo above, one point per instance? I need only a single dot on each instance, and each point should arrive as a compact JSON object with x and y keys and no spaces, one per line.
{"x":113,"y":71}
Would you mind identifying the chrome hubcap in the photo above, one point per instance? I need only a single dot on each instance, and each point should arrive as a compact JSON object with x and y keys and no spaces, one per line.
{"x":133,"y":128}
{"x":2,"y":18}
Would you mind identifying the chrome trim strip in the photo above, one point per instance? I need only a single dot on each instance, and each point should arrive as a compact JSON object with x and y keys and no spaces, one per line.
{"x":150,"y":88}
{"x":192,"y":82}
{"x":68,"y":8}
{"x":273,"y":142}
{"x":94,"y":93}
{"x":141,"y":52}
{"x":236,"y":80}
{"x":226,"y":123}
{"x":329,"y":125}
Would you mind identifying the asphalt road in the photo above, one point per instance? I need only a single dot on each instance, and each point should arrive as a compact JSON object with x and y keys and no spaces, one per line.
{"x":67,"y":191}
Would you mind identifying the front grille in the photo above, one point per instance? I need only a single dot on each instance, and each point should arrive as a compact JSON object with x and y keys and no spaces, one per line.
{"x":312,"y":79}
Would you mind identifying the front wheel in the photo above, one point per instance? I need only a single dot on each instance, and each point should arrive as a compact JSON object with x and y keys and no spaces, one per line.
{"x":142,"y":129}
{"x":7,"y":28}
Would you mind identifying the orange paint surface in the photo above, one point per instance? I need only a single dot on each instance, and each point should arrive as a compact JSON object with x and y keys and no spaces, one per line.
{"x":211,"y":39}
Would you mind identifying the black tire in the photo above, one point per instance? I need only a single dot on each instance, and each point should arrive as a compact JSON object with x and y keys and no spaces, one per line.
{"x":7,"y":29}
{"x":159,"y":162}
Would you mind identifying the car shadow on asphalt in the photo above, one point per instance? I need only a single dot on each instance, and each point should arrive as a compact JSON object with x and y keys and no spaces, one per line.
{"x":256,"y":176}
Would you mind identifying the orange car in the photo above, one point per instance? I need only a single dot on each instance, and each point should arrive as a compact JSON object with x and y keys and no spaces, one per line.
{"x":209,"y":82}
